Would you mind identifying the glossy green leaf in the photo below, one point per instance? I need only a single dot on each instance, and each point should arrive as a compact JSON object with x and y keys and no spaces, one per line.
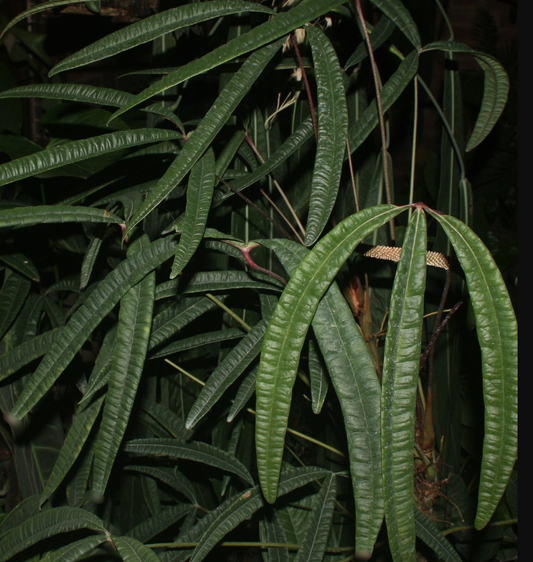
{"x":102,"y":366}
{"x":313,"y":546}
{"x":100,"y":302}
{"x":494,"y":93}
{"x":77,"y":151}
{"x":332,"y":133}
{"x":173,"y":424}
{"x":175,"y":481}
{"x":27,"y":216}
{"x":497,"y":335}
{"x":397,"y":13}
{"x":287,"y":331}
{"x":227,"y":372}
{"x":244,"y":393}
{"x":192,"y":342}
{"x":12,"y":298}
{"x":199,"y":195}
{"x":359,"y":130}
{"x":401,"y":365}
{"x":149,"y":528}
{"x":74,"y":551}
{"x":22,"y":264}
{"x":89,"y":259}
{"x":85,"y":94}
{"x":155,"y":26}
{"x":129,"y":354}
{"x":176,"y":316}
{"x":54,"y":312}
{"x":318,"y":378}
{"x":24,"y":353}
{"x":273,"y":532}
{"x":430,"y":534}
{"x":378,"y":35}
{"x":195,"y":451}
{"x":209,"y":281}
{"x":358,"y":389}
{"x":47,"y":524}
{"x":43,"y":7}
{"x":131,"y":550}
{"x":269,"y":31}
{"x":207,"y":130}
{"x":76,"y":438}
{"x":289,"y":147}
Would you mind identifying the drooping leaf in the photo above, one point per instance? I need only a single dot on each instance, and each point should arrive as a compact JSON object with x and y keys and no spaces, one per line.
{"x":87,"y":317}
{"x":497,"y":335}
{"x":401,"y":365}
{"x":378,"y":35}
{"x":195,"y":451}
{"x":74,"y":551}
{"x":175,"y":481}
{"x":149,"y":528}
{"x":85,"y":94}
{"x":245,"y":392}
{"x":494,"y":93}
{"x":22,"y":264}
{"x":205,"y":133}
{"x":76,"y":438}
{"x":155,"y":26}
{"x":430,"y":534}
{"x":131,"y":550}
{"x":397,"y":13}
{"x":332,"y":132}
{"x":318,"y":378}
{"x":173,"y":424}
{"x":77,"y":151}
{"x":356,"y":383}
{"x":313,"y":546}
{"x":227,"y":372}
{"x":129,"y":354}
{"x":268,"y":32}
{"x":12,"y":297}
{"x":287,"y":331}
{"x":199,"y":195}
{"x":47,"y":524}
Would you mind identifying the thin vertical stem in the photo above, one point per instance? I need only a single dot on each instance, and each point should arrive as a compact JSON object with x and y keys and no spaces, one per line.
{"x":380,"y":111}
{"x":413,"y":149}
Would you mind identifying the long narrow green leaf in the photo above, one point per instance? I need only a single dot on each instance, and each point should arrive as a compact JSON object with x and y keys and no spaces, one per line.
{"x":85,"y":94}
{"x":175,"y":481}
{"x":332,"y":133}
{"x":205,"y":133}
{"x":86,"y":318}
{"x":314,"y":544}
{"x":155,"y":26}
{"x":166,"y":418}
{"x":379,"y":34}
{"x":195,"y":451}
{"x":79,"y":150}
{"x":175,"y":317}
{"x":151,"y":527}
{"x":75,"y":551}
{"x":396,"y":12}
{"x":243,"y":506}
{"x":497,"y":335}
{"x":287,"y":331}
{"x":76,"y":438}
{"x":245,"y":392}
{"x":356,"y":383}
{"x":27,"y":216}
{"x":46,"y":524}
{"x":209,"y":281}
{"x":494,"y":93}
{"x":22,"y":264}
{"x":132,"y":550}
{"x":392,"y":89}
{"x":24,"y":353}
{"x":129,"y":354}
{"x":289,"y":147}
{"x":273,"y":29}
{"x":206,"y":338}
{"x":401,"y":364}
{"x":12,"y":297}
{"x":199,"y":194}
{"x":430,"y":534}
{"x":227,"y":372}
{"x":318,"y":378}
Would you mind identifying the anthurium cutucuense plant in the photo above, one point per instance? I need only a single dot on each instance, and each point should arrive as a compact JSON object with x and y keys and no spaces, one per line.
{"x":227,"y":328}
